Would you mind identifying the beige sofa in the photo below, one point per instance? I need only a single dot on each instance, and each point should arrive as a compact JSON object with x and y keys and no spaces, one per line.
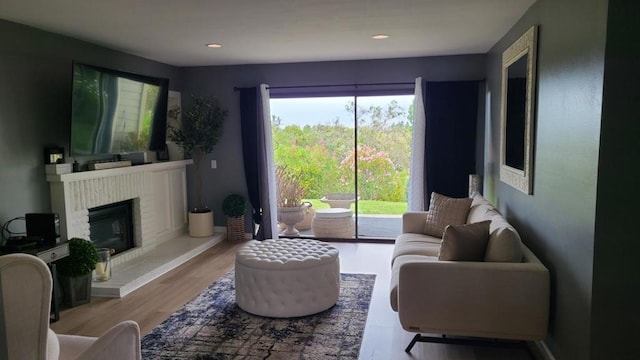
{"x":506,"y":296}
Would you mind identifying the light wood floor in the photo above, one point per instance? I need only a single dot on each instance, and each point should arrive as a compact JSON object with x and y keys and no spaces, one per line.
{"x":383,"y":339}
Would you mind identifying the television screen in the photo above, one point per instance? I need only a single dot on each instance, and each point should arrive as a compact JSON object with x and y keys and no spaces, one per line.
{"x":114,"y":112}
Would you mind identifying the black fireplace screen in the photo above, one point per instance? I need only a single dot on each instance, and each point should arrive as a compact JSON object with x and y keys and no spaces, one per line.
{"x":111,"y":226}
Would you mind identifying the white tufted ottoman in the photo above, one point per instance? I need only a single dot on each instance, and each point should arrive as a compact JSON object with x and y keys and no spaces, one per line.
{"x":287,"y":277}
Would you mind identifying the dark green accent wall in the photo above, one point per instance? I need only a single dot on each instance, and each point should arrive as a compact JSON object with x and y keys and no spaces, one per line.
{"x":566,"y":221}
{"x":615,"y":312}
{"x":35,"y":106}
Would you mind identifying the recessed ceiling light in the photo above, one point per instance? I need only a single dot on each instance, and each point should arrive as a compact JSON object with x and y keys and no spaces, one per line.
{"x":380,"y":36}
{"x":214,"y":45}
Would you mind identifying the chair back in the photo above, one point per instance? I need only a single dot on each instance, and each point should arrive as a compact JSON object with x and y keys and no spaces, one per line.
{"x":25,"y":302}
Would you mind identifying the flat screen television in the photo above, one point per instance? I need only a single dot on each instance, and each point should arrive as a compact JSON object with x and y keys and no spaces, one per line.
{"x":115,"y":112}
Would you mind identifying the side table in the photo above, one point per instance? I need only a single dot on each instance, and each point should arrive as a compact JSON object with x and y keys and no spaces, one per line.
{"x":49,"y":254}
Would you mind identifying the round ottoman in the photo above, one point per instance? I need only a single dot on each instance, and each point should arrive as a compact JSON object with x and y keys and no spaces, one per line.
{"x":287,"y":277}
{"x":333,"y":223}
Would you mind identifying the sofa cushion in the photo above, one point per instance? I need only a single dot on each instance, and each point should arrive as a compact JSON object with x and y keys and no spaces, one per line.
{"x":415,"y":244}
{"x":465,"y":242}
{"x":445,"y":211}
{"x":504,"y":242}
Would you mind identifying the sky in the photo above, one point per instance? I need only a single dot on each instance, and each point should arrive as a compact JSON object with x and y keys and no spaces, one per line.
{"x":324,"y":110}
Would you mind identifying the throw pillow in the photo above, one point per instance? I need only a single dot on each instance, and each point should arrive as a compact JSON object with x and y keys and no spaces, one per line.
{"x":445,"y":211}
{"x":465,"y":242}
{"x":504,"y":242}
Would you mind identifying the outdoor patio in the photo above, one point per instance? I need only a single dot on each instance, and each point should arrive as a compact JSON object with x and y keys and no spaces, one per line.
{"x":374,"y":226}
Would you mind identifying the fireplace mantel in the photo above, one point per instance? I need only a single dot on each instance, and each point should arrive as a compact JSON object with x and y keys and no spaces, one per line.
{"x":158,"y":192}
{"x":97,"y":174}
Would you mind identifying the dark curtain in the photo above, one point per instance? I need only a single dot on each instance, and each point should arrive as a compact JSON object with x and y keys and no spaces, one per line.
{"x":249,"y":122}
{"x":452,"y":114}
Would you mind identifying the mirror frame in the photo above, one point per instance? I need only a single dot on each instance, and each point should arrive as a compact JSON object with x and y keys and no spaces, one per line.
{"x":524,"y":46}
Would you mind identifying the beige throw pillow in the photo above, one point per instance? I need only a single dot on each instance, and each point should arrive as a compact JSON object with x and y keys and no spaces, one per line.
{"x":465,"y":242}
{"x":445,"y":211}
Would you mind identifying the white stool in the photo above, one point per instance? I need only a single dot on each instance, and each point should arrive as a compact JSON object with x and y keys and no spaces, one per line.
{"x":333,"y":223}
{"x":287,"y":277}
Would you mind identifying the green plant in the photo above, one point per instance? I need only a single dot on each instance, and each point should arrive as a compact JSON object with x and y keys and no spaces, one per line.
{"x":82,"y":258}
{"x":201,"y":130}
{"x":234,"y":205}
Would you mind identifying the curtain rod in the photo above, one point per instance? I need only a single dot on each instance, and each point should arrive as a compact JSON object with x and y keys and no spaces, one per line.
{"x":235,"y":88}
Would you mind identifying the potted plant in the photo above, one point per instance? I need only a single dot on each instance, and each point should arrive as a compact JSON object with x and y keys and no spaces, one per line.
{"x":234,"y":207}
{"x":289,"y":195}
{"x":75,"y":271}
{"x":201,"y":130}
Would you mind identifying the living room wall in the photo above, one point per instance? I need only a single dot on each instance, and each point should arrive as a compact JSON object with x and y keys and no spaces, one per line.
{"x":220,"y":81}
{"x":35,"y":106}
{"x":615,"y":319}
{"x":557,"y":222}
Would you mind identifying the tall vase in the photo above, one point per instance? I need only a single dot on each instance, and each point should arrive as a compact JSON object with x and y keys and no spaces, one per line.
{"x":290,"y":216}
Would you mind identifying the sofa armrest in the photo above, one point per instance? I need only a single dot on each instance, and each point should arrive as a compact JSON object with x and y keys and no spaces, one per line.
{"x":493,"y":300}
{"x":413,"y":222}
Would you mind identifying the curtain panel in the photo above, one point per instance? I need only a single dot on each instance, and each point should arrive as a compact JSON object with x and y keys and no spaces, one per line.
{"x":248,"y":119}
{"x":416,"y":195}
{"x":451,"y":133}
{"x":256,"y":150}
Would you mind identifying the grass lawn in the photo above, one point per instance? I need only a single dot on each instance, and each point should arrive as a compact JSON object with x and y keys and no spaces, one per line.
{"x":369,"y":207}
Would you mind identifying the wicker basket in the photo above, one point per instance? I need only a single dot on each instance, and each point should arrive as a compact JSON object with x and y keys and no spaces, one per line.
{"x":235,"y":228}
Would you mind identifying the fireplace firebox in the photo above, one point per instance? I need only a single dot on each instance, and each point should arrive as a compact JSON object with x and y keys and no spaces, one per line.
{"x":111,"y":226}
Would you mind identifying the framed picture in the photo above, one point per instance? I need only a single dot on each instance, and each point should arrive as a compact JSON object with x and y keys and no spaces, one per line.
{"x":54,"y":155}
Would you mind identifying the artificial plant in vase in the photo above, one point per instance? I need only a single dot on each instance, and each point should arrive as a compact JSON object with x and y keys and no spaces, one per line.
{"x":75,"y":271}
{"x":289,"y":195}
{"x":202,"y":126}
{"x":234,"y":207}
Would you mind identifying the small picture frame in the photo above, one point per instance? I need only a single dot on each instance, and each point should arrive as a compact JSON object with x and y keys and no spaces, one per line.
{"x":163,"y":155}
{"x":54,"y":155}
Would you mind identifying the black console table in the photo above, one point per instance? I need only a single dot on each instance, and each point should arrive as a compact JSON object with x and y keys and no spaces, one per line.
{"x":49,"y":254}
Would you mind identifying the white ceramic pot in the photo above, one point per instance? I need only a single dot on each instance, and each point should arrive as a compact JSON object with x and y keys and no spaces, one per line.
{"x":200,"y":224}
{"x":290,"y":216}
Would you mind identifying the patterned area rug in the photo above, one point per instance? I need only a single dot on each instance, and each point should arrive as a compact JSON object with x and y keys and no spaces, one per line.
{"x":213,"y":327}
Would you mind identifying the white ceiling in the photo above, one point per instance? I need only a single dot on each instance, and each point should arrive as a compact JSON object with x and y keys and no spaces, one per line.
{"x":274,"y":31}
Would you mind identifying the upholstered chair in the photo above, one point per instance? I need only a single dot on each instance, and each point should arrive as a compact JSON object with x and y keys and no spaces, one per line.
{"x":25,"y":301}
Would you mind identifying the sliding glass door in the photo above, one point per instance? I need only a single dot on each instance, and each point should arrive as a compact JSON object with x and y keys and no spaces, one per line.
{"x":348,"y":158}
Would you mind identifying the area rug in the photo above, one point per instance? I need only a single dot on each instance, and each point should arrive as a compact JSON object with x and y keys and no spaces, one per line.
{"x":213,"y":327}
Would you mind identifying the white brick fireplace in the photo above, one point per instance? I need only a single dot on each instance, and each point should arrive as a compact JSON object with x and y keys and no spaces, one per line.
{"x":158,"y":192}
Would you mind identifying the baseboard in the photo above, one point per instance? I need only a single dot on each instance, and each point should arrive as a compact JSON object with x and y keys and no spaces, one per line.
{"x":540,"y":350}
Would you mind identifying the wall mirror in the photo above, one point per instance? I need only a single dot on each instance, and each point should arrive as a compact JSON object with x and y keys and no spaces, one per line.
{"x":517,"y":113}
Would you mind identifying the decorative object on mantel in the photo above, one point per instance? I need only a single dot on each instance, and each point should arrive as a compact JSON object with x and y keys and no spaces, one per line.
{"x":54,"y":155}
{"x":289,"y":193}
{"x":201,"y":129}
{"x":517,"y":113}
{"x":234,"y":207}
{"x":108,"y":164}
{"x":75,"y":271}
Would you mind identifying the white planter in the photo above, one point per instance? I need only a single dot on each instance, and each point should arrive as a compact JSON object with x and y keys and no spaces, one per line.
{"x":291,"y":216}
{"x":200,"y":224}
